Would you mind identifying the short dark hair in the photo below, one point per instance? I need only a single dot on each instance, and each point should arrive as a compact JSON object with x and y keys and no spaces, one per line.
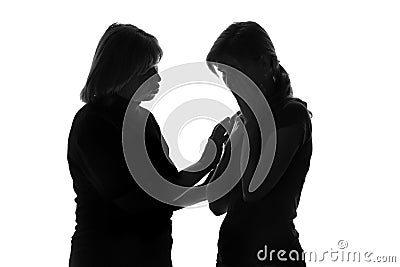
{"x":123,"y":51}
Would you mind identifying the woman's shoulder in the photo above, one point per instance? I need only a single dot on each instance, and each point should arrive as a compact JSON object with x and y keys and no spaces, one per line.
{"x":294,"y":111}
{"x":90,"y":118}
{"x":296,"y":107}
{"x":89,"y":112}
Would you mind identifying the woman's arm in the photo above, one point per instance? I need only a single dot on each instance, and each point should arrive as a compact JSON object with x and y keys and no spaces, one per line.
{"x":289,"y":138}
{"x":210,"y":157}
{"x":228,"y":168}
{"x":288,"y":142}
{"x":194,"y":173}
{"x":220,"y":206}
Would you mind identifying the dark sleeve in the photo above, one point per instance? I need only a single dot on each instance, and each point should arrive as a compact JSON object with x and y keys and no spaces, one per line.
{"x":158,"y":151}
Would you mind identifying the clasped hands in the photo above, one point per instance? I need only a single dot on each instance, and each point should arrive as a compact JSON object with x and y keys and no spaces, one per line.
{"x":229,"y":130}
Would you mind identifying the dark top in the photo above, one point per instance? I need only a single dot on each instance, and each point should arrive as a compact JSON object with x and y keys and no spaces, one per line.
{"x":248,"y":227}
{"x":105,"y":234}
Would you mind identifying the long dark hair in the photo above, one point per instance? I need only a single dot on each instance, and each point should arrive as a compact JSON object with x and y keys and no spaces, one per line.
{"x":250,"y":40}
{"x":123,"y":51}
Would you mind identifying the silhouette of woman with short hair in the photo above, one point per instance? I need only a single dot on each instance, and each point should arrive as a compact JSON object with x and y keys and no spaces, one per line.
{"x":262,"y":218}
{"x":117,"y":223}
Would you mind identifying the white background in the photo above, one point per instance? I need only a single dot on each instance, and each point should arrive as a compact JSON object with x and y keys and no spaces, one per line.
{"x":342,"y":57}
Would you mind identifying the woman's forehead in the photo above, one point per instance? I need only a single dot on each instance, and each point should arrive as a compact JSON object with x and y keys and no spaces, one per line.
{"x":227,"y":63}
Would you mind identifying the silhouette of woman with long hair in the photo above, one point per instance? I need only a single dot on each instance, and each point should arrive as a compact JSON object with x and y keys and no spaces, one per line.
{"x":258,"y":222}
{"x":117,"y":223}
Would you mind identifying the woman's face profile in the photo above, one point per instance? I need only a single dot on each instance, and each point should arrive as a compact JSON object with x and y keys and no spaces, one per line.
{"x":144,"y":87}
{"x":258,"y":70}
{"x":235,"y":73}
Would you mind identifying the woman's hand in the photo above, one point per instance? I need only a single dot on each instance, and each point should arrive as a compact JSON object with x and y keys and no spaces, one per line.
{"x":221,"y":132}
{"x":237,"y":134}
{"x":214,"y":147}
